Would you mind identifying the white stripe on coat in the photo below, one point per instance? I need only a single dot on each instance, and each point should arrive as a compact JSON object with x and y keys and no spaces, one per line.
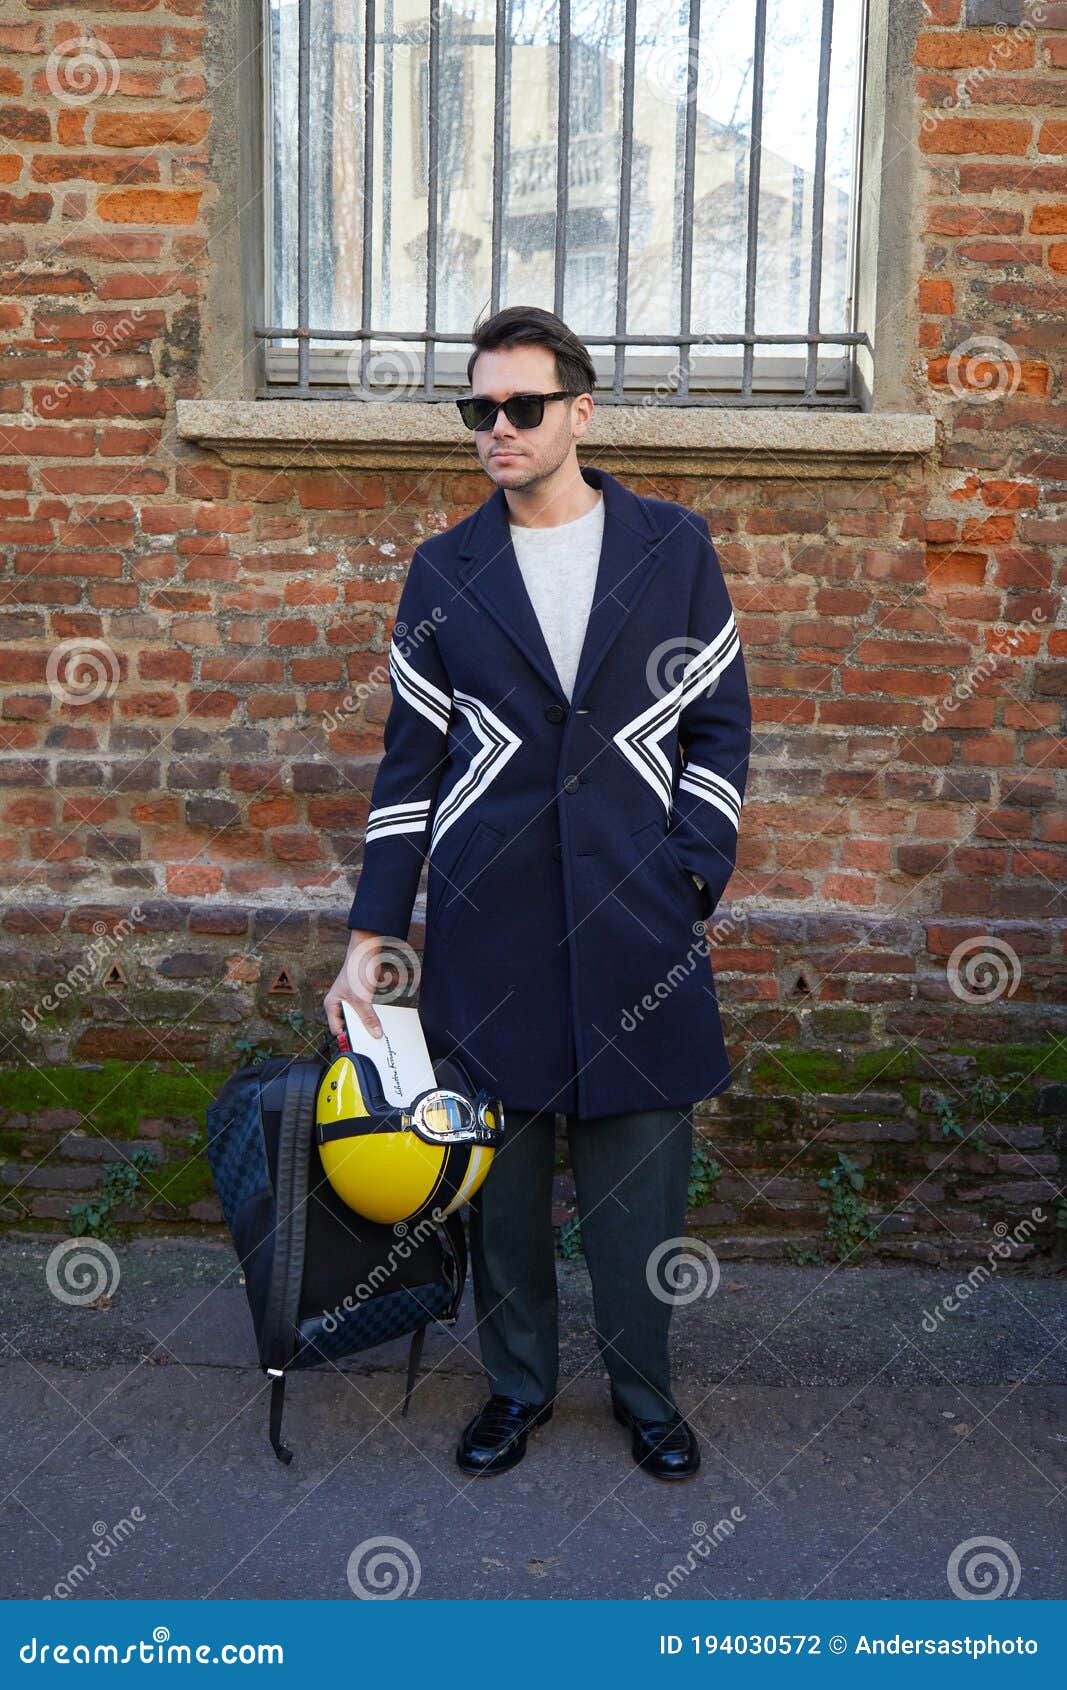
{"x":420,"y":693}
{"x":714,"y":788}
{"x":498,"y":744}
{"x":388,"y":819}
{"x":639,"y":740}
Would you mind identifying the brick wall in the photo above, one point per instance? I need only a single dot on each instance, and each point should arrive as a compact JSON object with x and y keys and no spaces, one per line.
{"x":183,"y":810}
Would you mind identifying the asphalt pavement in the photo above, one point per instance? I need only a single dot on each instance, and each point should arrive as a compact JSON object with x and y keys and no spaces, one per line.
{"x":858,"y":1439}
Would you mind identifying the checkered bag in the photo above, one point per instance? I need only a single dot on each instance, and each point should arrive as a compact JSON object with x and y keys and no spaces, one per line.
{"x":322,"y":1283}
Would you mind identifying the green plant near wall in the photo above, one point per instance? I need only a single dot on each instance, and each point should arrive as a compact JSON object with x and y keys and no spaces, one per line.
{"x":704,"y":1174}
{"x":251,"y":1052}
{"x":302,"y":1026}
{"x":802,"y":1255}
{"x":848,"y":1227}
{"x":120,"y":1183}
{"x":254,"y":1051}
{"x":982,"y":1096}
{"x":569,"y":1240}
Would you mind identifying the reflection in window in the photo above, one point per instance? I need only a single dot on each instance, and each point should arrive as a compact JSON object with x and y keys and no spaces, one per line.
{"x":682,"y":238}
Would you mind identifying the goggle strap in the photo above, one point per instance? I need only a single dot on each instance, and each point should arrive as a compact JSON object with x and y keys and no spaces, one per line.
{"x":356,"y":1126}
{"x":400,"y":1120}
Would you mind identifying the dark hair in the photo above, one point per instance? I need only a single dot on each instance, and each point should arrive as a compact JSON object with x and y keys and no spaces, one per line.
{"x":528,"y":325}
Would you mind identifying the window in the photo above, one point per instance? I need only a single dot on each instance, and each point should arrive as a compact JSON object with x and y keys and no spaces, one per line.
{"x":677,"y":178}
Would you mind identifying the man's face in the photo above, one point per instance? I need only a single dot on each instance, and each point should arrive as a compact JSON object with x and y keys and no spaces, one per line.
{"x":518,"y":458}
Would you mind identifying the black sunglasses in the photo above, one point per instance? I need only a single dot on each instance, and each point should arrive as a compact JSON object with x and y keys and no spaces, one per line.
{"x":523,"y":410}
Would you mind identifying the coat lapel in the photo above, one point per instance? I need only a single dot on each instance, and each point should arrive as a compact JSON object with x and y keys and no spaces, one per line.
{"x":489,"y":570}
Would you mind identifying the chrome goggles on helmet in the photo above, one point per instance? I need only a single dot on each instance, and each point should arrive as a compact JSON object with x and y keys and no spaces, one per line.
{"x":439,"y":1115}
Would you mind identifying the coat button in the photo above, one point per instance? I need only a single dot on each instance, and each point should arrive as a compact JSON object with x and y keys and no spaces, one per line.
{"x":572,"y":783}
{"x":557,"y":851}
{"x":555,"y":713}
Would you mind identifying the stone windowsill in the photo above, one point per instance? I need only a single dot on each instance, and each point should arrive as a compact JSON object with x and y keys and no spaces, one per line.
{"x":629,"y":439}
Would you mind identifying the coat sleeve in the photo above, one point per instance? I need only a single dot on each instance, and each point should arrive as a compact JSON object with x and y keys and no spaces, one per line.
{"x":407,"y":778}
{"x":714,"y":731}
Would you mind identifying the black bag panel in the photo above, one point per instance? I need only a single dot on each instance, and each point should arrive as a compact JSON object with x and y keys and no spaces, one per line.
{"x":295,"y":1131}
{"x":235,"y":1146}
{"x":345,"y":1252}
{"x":273,"y":1077}
{"x":346,"y":1330}
{"x":256,"y":1250}
{"x":322,"y":1282}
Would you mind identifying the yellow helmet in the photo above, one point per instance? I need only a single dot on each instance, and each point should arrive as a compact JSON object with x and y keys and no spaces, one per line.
{"x":396,"y":1164}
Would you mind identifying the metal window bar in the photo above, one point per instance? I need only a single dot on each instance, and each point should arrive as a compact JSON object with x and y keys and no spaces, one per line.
{"x":754,"y":164}
{"x":367,"y":231}
{"x":563,"y":137}
{"x":685,"y":302}
{"x":626,"y":151}
{"x":501,"y":133}
{"x":303,"y":191}
{"x":303,"y":332}
{"x":818,"y":198}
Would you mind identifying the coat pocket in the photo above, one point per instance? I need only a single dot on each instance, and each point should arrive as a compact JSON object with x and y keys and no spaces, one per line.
{"x":454,"y":899}
{"x":656,"y":853}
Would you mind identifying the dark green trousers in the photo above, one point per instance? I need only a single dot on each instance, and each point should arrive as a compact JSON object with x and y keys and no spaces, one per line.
{"x":631,"y":1175}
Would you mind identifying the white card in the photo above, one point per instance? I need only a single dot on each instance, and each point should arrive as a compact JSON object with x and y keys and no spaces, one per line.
{"x":400,"y":1055}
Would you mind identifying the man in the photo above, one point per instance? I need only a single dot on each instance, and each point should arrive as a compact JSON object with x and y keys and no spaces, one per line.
{"x":568,"y":748}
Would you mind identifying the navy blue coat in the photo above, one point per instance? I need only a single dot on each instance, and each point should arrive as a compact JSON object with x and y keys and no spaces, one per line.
{"x":565,"y":957}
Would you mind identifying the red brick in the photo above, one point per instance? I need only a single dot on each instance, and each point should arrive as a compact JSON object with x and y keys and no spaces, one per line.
{"x":990,"y":135}
{"x":25,"y":123}
{"x":121,"y":328}
{"x":59,"y":403}
{"x":936,"y":296}
{"x":153,"y":205}
{"x":25,"y":208}
{"x":181,"y":127}
{"x":969,"y":48}
{"x":92,"y":167}
{"x":46,"y":441}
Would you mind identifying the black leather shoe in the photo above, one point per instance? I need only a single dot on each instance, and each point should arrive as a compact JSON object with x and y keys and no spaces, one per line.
{"x":496,"y":1438}
{"x":665,"y":1448}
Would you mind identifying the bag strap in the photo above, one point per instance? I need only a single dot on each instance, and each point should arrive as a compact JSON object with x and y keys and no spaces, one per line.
{"x":280,"y":1320}
{"x":277,"y":1406}
{"x":418,"y":1338}
{"x":455,"y":1240}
